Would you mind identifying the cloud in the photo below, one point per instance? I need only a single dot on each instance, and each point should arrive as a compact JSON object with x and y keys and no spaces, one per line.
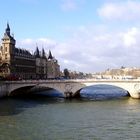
{"x":128,"y":10}
{"x":30,"y":44}
{"x":130,"y":38}
{"x":97,"y":51}
{"x":91,"y":49}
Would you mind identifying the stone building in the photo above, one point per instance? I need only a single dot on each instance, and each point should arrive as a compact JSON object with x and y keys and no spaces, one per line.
{"x":53,"y":67}
{"x":41,"y":64}
{"x":16,"y":62}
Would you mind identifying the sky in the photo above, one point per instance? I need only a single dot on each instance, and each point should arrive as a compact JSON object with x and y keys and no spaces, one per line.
{"x":83,"y":35}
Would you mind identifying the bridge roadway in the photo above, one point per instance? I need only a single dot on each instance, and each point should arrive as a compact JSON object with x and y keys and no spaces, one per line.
{"x":69,"y":88}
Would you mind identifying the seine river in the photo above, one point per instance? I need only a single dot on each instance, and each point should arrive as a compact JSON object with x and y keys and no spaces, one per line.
{"x":104,"y":113}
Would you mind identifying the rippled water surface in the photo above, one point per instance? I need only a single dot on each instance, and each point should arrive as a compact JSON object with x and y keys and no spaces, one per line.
{"x":99,"y":117}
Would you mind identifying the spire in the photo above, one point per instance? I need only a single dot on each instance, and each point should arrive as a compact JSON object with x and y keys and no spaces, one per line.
{"x":50,"y":55}
{"x":7,"y":30}
{"x":37,"y":52}
{"x":43,"y":53}
{"x":8,"y":27}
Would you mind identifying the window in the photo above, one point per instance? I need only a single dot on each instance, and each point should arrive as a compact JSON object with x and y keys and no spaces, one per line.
{"x":5,"y":49}
{"x":5,"y":56}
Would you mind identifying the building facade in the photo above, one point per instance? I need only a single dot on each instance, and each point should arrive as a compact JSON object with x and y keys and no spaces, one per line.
{"x":53,"y":67}
{"x":16,"y":62}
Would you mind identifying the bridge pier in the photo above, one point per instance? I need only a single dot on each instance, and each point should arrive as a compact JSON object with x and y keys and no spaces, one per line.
{"x":68,"y":95}
{"x":72,"y":95}
{"x":135,"y":94}
{"x":4,"y":90}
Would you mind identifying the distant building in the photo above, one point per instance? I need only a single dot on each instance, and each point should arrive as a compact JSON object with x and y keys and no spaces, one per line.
{"x":120,"y":73}
{"x":21,"y":63}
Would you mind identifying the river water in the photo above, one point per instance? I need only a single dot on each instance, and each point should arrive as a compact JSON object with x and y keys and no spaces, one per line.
{"x":104,"y":113}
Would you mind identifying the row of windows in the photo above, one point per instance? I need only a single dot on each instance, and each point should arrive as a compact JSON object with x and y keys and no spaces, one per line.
{"x":25,"y":62}
{"x":24,"y":69}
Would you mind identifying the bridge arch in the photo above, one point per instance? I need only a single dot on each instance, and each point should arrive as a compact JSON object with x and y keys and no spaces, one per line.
{"x":53,"y":86}
{"x":76,"y":93}
{"x":31,"y":89}
{"x":15,"y":88}
{"x":50,"y":91}
{"x":20,"y":91}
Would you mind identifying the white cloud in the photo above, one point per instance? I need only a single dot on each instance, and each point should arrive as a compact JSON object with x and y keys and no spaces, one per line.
{"x":90,"y":49}
{"x":126,"y":10}
{"x":97,"y":51}
{"x":130,"y":37}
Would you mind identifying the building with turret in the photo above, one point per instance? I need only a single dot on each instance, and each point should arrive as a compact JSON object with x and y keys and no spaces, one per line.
{"x":16,"y":62}
{"x":53,"y":67}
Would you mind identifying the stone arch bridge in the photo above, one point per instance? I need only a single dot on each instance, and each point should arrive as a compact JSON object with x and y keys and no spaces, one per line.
{"x":70,"y":88}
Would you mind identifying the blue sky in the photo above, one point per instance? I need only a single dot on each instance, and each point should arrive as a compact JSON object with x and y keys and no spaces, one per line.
{"x":51,"y":18}
{"x":84,"y":35}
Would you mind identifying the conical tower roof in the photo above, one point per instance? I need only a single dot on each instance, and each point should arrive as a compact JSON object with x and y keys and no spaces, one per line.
{"x":37,"y":55}
{"x":50,"y":55}
{"x":43,"y":53}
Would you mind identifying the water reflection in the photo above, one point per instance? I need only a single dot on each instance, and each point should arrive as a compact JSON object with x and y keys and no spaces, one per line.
{"x":10,"y":107}
{"x":133,"y":105}
{"x":16,"y":105}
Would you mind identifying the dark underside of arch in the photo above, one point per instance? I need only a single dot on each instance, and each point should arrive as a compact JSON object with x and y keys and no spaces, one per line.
{"x":23,"y":91}
{"x":35,"y":91}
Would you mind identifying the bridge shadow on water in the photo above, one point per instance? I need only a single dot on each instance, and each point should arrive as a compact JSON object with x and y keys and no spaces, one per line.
{"x":18,"y":103}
